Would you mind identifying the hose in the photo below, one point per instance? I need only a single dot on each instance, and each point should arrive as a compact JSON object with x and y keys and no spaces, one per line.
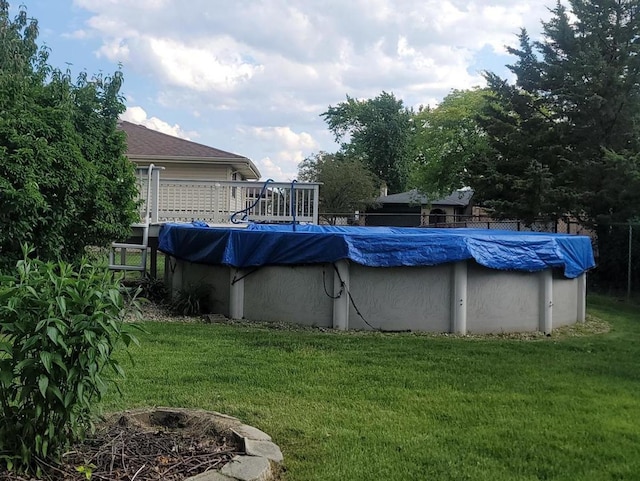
{"x":246,"y":210}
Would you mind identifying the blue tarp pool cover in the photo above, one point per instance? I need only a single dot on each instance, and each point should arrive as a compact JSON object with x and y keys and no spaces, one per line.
{"x":268,"y":244}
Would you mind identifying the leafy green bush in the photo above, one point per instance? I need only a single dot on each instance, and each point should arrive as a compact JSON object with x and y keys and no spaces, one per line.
{"x":153,"y":290}
{"x":65,"y":181}
{"x":192,"y":300}
{"x":59,"y":327}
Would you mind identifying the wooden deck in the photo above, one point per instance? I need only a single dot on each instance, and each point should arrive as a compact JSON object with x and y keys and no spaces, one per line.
{"x":216,"y":202}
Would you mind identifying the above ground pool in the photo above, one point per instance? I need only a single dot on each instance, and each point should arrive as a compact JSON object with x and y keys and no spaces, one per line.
{"x":439,"y":280}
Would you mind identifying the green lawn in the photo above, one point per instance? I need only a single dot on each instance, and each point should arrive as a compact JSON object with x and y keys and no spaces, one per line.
{"x":346,"y":406}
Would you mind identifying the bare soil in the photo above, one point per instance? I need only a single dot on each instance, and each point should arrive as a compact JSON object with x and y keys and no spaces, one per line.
{"x":144,"y":447}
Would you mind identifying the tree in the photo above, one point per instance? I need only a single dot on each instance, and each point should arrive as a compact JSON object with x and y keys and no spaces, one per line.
{"x":566,"y":134}
{"x":524,"y":175}
{"x":64,"y":180}
{"x":347,"y":185}
{"x":378,"y":132}
{"x":448,"y":141}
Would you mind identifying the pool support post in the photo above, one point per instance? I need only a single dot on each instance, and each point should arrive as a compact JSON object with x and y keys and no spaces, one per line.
{"x":236,"y":294}
{"x":459,"y":298}
{"x":173,"y":275}
{"x":341,"y":295}
{"x":582,"y":297}
{"x":546,"y":301}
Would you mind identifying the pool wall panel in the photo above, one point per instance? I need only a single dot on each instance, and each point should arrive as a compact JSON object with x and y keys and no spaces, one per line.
{"x":283,"y":293}
{"x":502,"y":301}
{"x":187,"y":275}
{"x":565,"y":300}
{"x":400,"y":298}
{"x":396,"y":298}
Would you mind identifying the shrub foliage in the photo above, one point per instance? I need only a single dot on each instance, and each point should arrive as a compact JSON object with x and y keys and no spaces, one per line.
{"x":59,"y":326}
{"x":193,"y":300}
{"x":64,"y":179}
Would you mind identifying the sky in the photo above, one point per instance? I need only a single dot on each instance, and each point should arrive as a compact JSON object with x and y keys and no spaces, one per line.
{"x":253,"y":77}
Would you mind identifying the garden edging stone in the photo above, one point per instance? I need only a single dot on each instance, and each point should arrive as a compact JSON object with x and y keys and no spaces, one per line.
{"x":262,"y":455}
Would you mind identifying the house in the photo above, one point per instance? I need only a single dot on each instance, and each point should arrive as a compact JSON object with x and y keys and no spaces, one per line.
{"x":194,"y":181}
{"x":184,"y":181}
{"x":413,"y":209}
{"x":183,"y":159}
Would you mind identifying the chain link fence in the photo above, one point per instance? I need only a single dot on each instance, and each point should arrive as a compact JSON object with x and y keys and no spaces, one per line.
{"x":617,"y":253}
{"x":410,"y":219}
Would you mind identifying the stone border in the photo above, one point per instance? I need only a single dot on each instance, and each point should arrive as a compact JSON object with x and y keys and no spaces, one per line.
{"x":261,"y":456}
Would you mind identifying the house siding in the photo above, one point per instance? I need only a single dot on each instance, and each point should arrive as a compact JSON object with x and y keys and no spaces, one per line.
{"x":394,"y":215}
{"x":191,"y":171}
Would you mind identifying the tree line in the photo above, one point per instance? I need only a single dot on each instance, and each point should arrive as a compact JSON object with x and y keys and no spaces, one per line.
{"x":560,"y":141}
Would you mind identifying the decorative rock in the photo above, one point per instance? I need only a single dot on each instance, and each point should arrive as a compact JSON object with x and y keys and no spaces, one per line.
{"x":248,"y":468}
{"x":209,"y":476}
{"x":225,"y":416}
{"x":260,"y":451}
{"x":246,"y":431}
{"x":265,"y":449}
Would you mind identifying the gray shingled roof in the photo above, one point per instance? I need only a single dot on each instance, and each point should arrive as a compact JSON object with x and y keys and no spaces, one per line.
{"x":143,"y":143}
{"x":458,"y":198}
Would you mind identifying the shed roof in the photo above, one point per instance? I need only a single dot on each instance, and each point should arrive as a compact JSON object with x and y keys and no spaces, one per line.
{"x":459,"y":198}
{"x":148,"y":144}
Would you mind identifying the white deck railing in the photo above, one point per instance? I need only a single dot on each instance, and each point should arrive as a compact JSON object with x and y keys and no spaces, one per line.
{"x":216,"y":201}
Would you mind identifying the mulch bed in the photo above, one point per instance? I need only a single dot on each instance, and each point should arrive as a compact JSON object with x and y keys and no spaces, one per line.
{"x":128,"y":452}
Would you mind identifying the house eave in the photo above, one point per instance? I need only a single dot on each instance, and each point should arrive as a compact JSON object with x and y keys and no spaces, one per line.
{"x":242,"y":164}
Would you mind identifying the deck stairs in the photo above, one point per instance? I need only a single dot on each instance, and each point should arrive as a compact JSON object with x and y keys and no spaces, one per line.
{"x":124,"y":247}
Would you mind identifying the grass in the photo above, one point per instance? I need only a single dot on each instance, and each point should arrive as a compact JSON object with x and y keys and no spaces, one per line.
{"x":372,"y":406}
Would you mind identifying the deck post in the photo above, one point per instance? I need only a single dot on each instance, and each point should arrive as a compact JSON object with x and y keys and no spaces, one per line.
{"x":155,"y":195}
{"x":153,"y":268}
{"x":459,"y":298}
{"x":582,"y":297}
{"x":236,"y":293}
{"x":546,"y":301}
{"x":316,"y":204}
{"x":341,"y":295}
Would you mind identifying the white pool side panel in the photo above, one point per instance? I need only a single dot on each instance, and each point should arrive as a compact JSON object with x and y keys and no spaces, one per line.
{"x":461,"y":297}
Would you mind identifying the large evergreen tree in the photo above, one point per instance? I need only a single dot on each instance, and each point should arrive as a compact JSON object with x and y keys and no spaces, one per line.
{"x":566,"y":134}
{"x":64,"y":180}
{"x":525,"y":172}
{"x":377,"y":132}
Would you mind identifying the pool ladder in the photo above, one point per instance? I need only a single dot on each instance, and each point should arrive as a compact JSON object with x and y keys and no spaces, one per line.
{"x":124,"y":247}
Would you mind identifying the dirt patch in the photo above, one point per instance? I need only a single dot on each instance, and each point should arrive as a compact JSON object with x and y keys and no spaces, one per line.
{"x":149,"y":445}
{"x":592,"y":326}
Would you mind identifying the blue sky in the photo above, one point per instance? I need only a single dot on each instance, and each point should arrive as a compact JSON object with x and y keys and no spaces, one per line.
{"x":252,"y":77}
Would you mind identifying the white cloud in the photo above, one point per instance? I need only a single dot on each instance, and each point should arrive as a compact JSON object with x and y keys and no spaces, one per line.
{"x":286,"y":137}
{"x":286,"y":149}
{"x":76,"y":34}
{"x":200,"y":67}
{"x":206,"y":47}
{"x":137,"y":115}
{"x":115,"y":50}
{"x":242,"y":70}
{"x":271,"y":170}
